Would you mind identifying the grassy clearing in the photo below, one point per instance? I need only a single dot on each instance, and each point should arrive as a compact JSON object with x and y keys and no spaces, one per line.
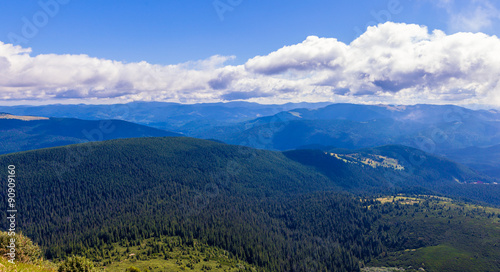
{"x":444,"y":235}
{"x":176,"y":257}
{"x":46,"y":266}
{"x":437,"y":258}
{"x":382,"y":269}
{"x":371,"y":160}
{"x":442,"y":203}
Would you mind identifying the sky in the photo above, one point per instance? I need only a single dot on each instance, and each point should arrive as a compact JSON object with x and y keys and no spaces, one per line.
{"x":389,"y":51}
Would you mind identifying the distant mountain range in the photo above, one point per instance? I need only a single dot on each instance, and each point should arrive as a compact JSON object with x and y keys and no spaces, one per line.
{"x":21,"y":133}
{"x":182,"y":118}
{"x":444,"y":130}
{"x":455,"y":132}
{"x":430,"y":127}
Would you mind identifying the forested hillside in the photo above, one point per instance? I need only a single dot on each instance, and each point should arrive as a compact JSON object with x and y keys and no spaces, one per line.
{"x":399,"y":169}
{"x":275,"y":213}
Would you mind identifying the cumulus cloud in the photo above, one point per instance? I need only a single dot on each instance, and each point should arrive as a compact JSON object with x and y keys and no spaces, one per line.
{"x":80,"y":76}
{"x":404,"y":61}
{"x":314,"y":53}
{"x":389,"y":63}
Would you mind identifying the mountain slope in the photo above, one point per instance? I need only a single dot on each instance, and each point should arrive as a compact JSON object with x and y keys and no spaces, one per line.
{"x":134,"y":188}
{"x":21,"y":134}
{"x":398,"y":169}
{"x":260,"y":206}
{"x":434,"y":128}
{"x":484,"y":159}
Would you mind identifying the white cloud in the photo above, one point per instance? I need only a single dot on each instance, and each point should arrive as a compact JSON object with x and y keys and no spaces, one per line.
{"x":399,"y":61}
{"x":470,"y":15}
{"x":80,"y":76}
{"x":311,"y":54}
{"x":475,"y":20}
{"x":389,"y":63}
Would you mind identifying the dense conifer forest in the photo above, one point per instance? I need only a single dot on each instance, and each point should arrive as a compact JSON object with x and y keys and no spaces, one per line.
{"x":261,"y":207}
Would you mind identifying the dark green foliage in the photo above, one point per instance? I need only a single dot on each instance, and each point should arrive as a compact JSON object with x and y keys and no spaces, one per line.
{"x":262,"y":207}
{"x":423,"y":173}
{"x":132,"y":269}
{"x":439,"y":235}
{"x":26,"y":251}
{"x":76,"y":264}
{"x":90,"y":195}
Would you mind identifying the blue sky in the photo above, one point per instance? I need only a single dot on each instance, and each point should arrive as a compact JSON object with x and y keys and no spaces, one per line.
{"x":174,"y":31}
{"x":184,"y":38}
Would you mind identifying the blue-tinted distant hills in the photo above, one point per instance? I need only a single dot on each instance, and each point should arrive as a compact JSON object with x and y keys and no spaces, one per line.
{"x":184,"y":118}
{"x":17,"y":134}
{"x":430,"y":127}
{"x":484,"y":159}
{"x":438,"y":129}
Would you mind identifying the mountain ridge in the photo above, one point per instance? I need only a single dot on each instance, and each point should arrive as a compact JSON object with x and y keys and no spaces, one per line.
{"x":17,"y":134}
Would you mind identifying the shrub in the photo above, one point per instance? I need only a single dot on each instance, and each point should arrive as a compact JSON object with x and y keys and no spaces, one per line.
{"x":76,"y":264}
{"x":26,"y":250}
{"x":132,"y":269}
